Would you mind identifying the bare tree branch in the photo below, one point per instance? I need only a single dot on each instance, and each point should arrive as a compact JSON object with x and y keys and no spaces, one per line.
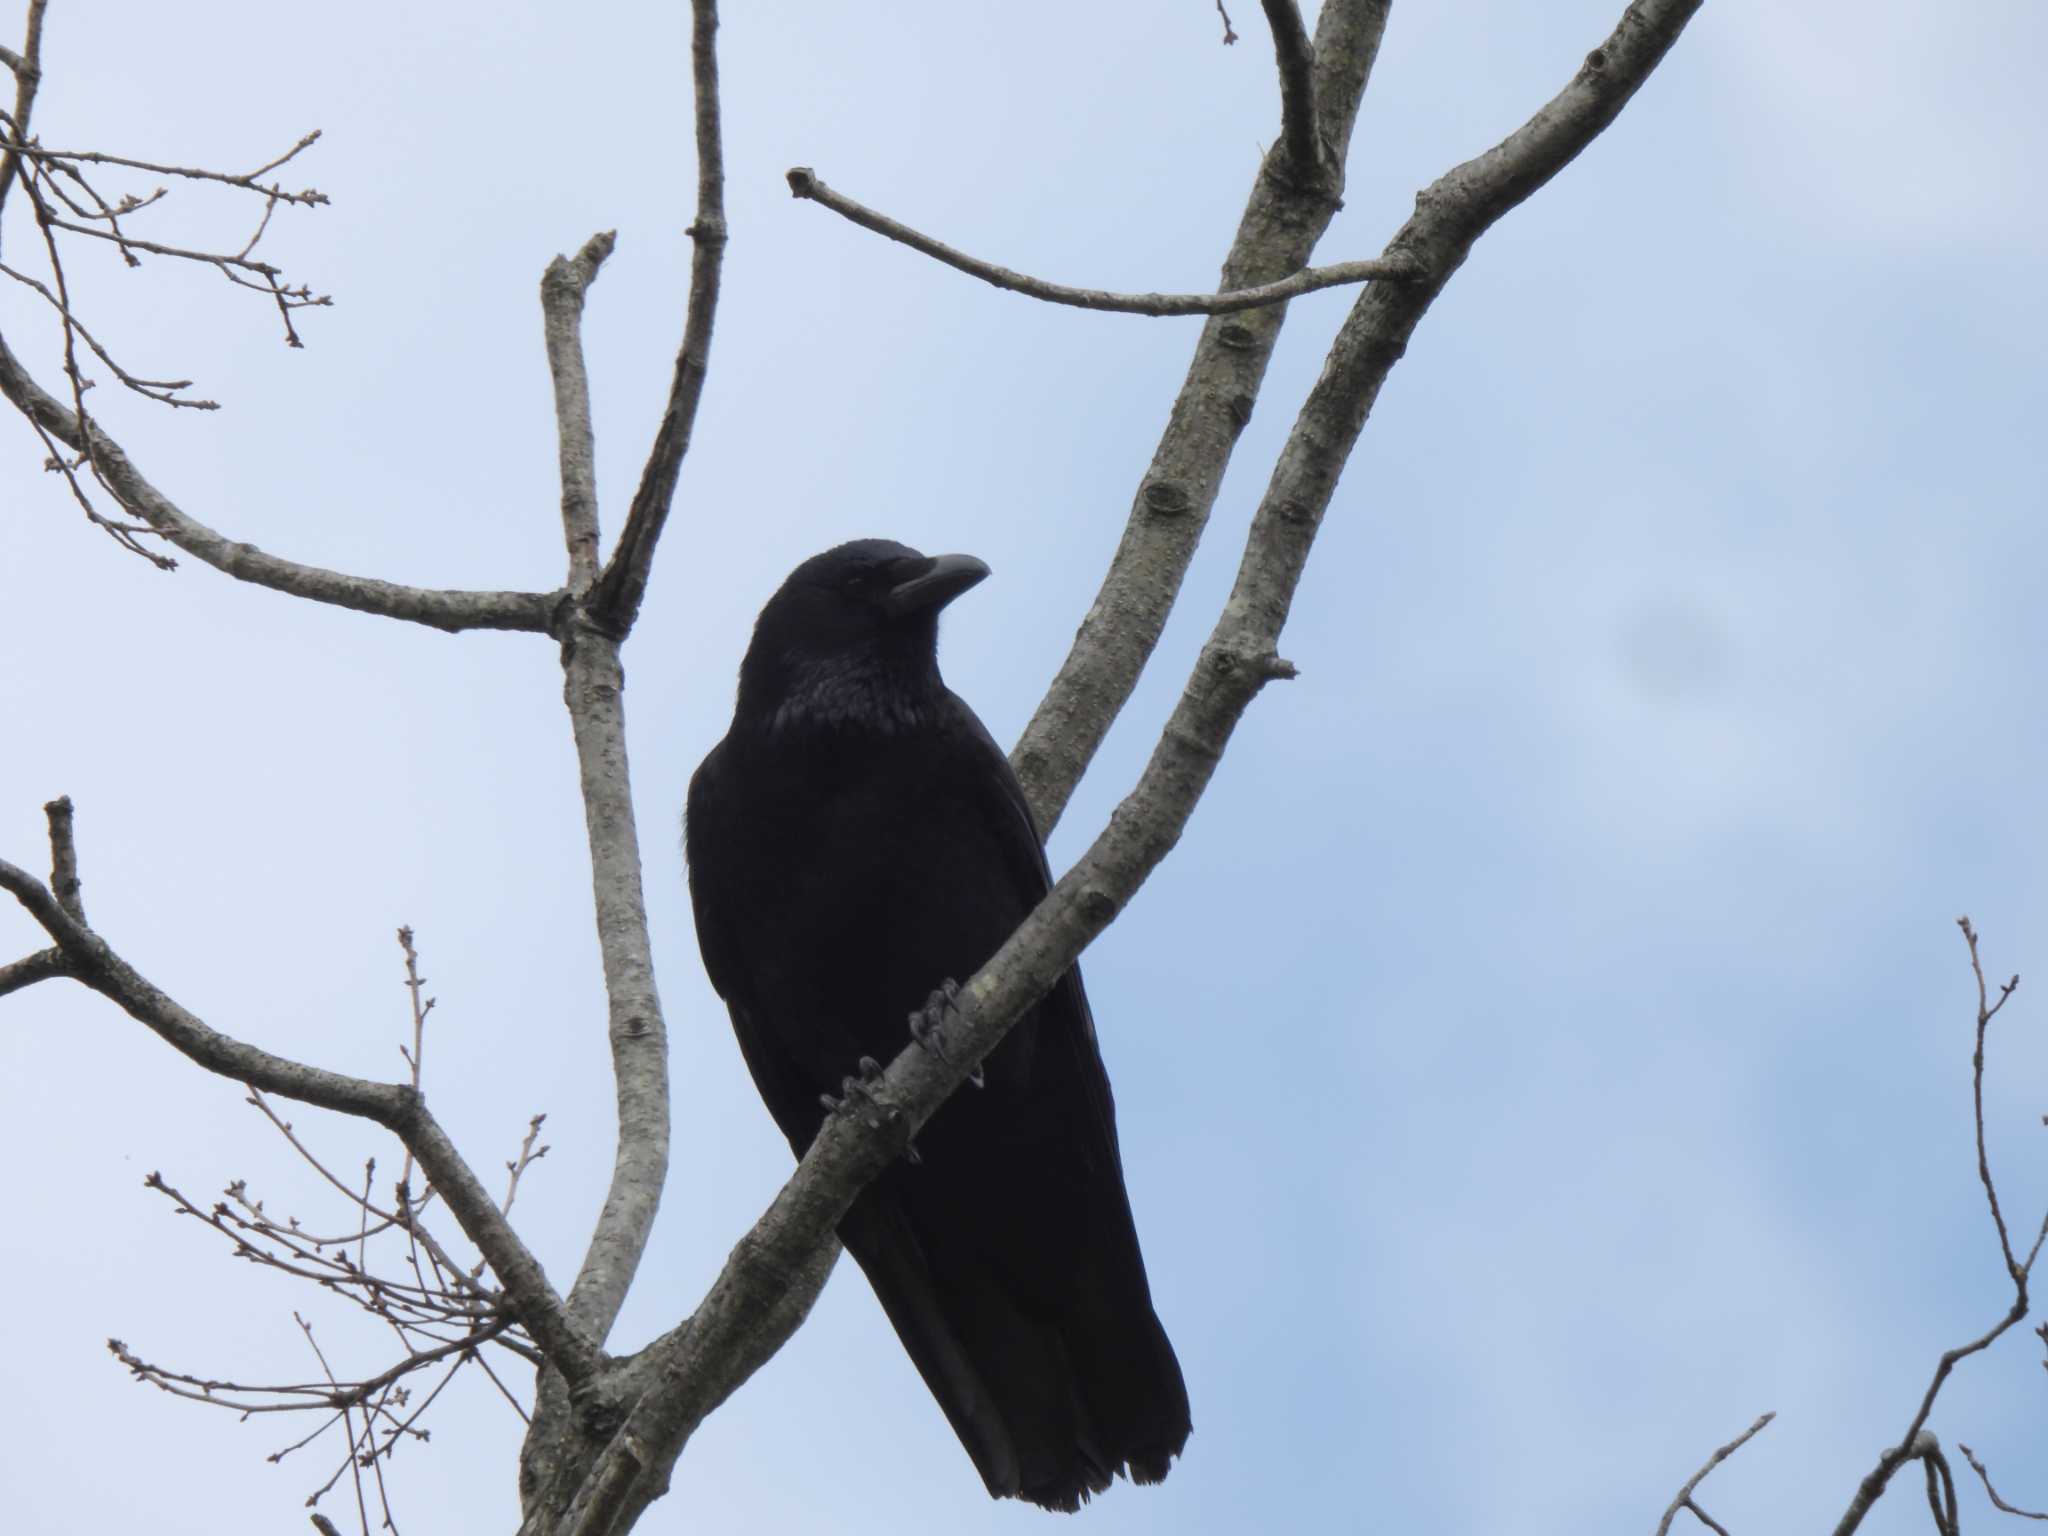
{"x":1684,"y":1499}
{"x":1282,"y":222}
{"x":615,"y":602}
{"x":64,"y":882}
{"x":28,"y":74}
{"x":804,"y":183}
{"x":305,"y":197}
{"x":1298,"y":127}
{"x":43,"y":965}
{"x":443,"y":610}
{"x":735,"y":1323}
{"x":1450,"y":215}
{"x":1917,"y":1443}
{"x":562,"y":288}
{"x":396,"y":1107}
{"x":1992,"y":1493}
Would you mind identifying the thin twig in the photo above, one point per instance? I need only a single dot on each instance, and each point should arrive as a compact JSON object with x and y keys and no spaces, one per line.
{"x":1917,"y":1442}
{"x":308,"y":197}
{"x":1992,"y":1493}
{"x":804,"y":183}
{"x":162,"y":390}
{"x":1986,"y":1012}
{"x":1684,"y":1498}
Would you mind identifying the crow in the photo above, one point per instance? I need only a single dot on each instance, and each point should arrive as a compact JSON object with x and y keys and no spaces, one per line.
{"x":855,"y":842}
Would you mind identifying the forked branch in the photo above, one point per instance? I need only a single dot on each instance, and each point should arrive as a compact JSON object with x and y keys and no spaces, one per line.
{"x":397,"y":1107}
{"x":741,"y":1320}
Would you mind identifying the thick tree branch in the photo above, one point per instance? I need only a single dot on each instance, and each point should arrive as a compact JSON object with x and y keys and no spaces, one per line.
{"x":615,"y":602}
{"x":1297,"y":60}
{"x":562,"y":288}
{"x":1283,"y":220}
{"x":444,"y":610}
{"x":804,"y":183}
{"x":392,"y":1105}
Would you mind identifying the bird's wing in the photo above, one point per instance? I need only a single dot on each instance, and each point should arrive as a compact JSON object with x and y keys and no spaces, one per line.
{"x":704,"y":819}
{"x":712,"y":861}
{"x":1024,"y":852}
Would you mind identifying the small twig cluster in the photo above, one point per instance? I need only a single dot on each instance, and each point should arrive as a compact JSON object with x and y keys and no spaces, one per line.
{"x":65,"y":198}
{"x":387,"y":1260}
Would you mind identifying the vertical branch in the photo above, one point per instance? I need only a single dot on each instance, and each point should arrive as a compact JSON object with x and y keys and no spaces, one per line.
{"x":1296,"y":58}
{"x":594,"y":684}
{"x":28,"y":74}
{"x":562,"y":288}
{"x":593,"y":687}
{"x":1283,"y":219}
{"x":64,"y":882}
{"x":616,"y":602}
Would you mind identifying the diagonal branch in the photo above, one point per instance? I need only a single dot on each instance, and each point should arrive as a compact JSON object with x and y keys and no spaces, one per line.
{"x":615,"y":603}
{"x":1992,"y":1494}
{"x":1282,"y":222}
{"x":396,"y":1107}
{"x":437,"y":609}
{"x":1684,"y":1499}
{"x":1297,"y":60}
{"x":804,"y":183}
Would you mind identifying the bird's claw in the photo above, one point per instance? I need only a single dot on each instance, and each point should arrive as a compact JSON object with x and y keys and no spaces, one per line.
{"x":928,"y":1027}
{"x":862,"y":1087}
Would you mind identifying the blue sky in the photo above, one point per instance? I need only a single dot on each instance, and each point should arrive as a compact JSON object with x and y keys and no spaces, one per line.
{"x":1549,"y":1046}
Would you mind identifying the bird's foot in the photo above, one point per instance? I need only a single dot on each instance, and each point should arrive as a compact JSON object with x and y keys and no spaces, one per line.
{"x":862,"y":1088}
{"x":928,"y":1025}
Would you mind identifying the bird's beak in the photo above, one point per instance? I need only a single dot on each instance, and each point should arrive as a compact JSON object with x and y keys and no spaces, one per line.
{"x":933,"y":583}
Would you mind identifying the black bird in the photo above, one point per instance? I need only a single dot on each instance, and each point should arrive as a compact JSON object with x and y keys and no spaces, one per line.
{"x":855,"y":840}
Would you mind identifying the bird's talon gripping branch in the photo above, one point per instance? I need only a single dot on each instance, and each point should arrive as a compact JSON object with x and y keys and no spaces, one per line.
{"x":927,"y":1025}
{"x":862,"y":1088}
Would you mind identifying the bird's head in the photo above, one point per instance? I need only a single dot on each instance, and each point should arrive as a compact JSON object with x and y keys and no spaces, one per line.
{"x":851,"y":638}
